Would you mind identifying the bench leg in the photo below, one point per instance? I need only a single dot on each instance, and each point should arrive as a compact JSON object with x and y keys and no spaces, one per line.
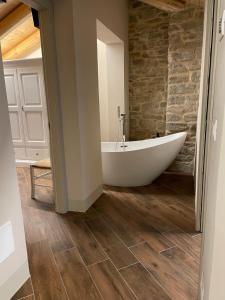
{"x":32,"y":182}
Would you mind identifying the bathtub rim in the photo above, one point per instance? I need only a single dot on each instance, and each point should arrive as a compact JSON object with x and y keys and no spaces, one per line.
{"x":164,"y":140}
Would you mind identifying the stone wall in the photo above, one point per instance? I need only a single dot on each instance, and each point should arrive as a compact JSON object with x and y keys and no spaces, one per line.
{"x":184,"y":68}
{"x":165,"y":63}
{"x":148,"y":42}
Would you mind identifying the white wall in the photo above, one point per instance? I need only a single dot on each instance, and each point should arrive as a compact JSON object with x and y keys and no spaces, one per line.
{"x":14,"y":269}
{"x":103,"y":91}
{"x":65,"y":51}
{"x":116,"y":91}
{"x":79,"y":90}
{"x":111,"y":77}
{"x":76,"y":41}
{"x":114,"y":15}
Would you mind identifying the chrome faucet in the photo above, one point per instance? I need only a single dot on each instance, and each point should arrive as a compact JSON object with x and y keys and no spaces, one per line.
{"x":122,"y":121}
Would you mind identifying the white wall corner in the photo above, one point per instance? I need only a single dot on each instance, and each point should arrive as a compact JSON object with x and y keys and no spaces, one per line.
{"x":85,"y":204}
{"x":13,"y":284}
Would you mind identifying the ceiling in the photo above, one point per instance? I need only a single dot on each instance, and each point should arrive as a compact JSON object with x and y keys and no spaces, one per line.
{"x":18,"y":35}
{"x":173,"y":5}
{"x":6,"y":8}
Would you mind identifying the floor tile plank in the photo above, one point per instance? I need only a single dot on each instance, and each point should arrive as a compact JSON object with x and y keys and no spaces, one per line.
{"x":76,"y":278}
{"x":123,"y":228}
{"x":175,"y":283}
{"x":24,"y":291}
{"x":88,"y":247}
{"x":46,"y":279}
{"x":115,"y":249}
{"x":143,"y":284}
{"x":62,"y":246}
{"x":109,"y":282}
{"x":143,"y":225}
{"x":185,"y":242}
{"x":183,"y":262}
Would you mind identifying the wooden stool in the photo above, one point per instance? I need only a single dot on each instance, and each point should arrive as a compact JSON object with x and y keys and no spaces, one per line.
{"x":44,"y":164}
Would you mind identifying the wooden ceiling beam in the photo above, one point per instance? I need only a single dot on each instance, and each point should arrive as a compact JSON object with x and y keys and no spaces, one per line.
{"x":13,"y":19}
{"x":167,"y":5}
{"x":200,"y":3}
{"x":173,"y":5}
{"x":27,"y":46}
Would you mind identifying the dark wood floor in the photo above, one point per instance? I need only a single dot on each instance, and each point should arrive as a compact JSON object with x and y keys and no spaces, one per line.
{"x":134,"y":243}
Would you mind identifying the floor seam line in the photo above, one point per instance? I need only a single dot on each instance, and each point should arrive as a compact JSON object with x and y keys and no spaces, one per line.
{"x":136,"y":245}
{"x":128,"y":266}
{"x":86,"y":267}
{"x":153,"y":277}
{"x":57,"y":268}
{"x":129,"y":288}
{"x":174,"y":246}
{"x":32,"y":294}
{"x":96,"y":263}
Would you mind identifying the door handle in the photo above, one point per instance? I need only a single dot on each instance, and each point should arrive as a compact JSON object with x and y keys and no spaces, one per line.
{"x":22,"y":108}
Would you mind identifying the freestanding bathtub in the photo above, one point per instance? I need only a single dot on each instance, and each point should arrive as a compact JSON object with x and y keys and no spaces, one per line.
{"x":140,"y":162}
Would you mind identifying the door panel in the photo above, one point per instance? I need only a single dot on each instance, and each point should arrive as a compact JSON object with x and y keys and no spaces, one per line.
{"x":35,"y":126}
{"x":14,"y":107}
{"x":31,"y":86}
{"x":15,"y":126}
{"x":11,"y":87}
{"x":32,"y":95}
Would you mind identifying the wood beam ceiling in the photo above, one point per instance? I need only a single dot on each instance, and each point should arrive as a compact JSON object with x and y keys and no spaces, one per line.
{"x":18,"y":35}
{"x":7,"y":8}
{"x":167,"y":5}
{"x":173,"y":5}
{"x":12,"y":20}
{"x":27,"y":46}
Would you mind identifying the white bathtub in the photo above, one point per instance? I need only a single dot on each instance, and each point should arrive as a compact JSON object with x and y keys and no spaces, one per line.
{"x":141,"y":162}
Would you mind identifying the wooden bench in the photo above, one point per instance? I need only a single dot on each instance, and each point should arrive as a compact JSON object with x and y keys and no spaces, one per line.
{"x":44,"y":164}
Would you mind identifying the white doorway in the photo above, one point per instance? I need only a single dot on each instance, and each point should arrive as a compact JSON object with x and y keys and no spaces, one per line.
{"x":111,"y":78}
{"x":27,"y":109}
{"x":204,"y":114}
{"x":49,"y":72}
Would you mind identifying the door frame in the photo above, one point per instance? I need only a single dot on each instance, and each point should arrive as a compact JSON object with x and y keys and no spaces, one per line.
{"x":204,"y":114}
{"x":209,"y":238}
{"x":49,"y":57}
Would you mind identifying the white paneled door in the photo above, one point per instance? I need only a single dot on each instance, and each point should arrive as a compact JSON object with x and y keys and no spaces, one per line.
{"x":33,"y":103}
{"x":28,"y":113}
{"x":14,"y":106}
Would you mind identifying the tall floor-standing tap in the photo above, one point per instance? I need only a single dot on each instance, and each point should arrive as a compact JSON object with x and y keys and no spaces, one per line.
{"x":122,"y":122}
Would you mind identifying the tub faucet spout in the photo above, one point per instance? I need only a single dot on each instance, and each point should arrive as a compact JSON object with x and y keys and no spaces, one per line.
{"x":123,"y":129}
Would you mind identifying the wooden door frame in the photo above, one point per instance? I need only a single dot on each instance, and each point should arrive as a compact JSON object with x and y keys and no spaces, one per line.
{"x":49,"y":56}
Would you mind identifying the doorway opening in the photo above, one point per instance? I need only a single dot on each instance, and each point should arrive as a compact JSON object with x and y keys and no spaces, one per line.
{"x":110,"y":49}
{"x":14,"y":14}
{"x":25,"y":90}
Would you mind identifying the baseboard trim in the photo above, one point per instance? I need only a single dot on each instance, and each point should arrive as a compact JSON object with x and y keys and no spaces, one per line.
{"x":15,"y":282}
{"x":84,"y":205}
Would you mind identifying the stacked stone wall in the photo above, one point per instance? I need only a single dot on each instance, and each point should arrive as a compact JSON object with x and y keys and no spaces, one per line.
{"x":165,"y":66}
{"x":184,"y":69}
{"x":148,"y":81}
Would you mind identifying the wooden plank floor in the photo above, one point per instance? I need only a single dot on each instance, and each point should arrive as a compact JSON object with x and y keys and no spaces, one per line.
{"x":134,"y":243}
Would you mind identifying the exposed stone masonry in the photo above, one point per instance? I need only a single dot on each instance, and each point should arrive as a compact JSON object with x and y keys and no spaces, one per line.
{"x":184,"y":57}
{"x":148,"y":42}
{"x":165,"y":63}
